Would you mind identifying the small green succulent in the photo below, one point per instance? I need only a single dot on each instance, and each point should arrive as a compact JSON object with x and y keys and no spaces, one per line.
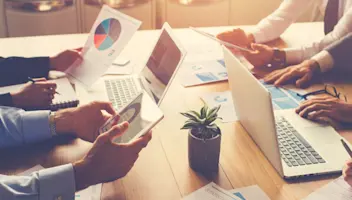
{"x":203,"y":124}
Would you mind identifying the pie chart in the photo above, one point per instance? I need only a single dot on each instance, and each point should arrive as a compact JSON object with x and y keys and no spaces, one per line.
{"x":107,"y":33}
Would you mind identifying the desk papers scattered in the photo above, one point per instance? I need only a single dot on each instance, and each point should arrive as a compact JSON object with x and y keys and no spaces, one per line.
{"x":250,"y":193}
{"x":110,"y":33}
{"x":336,"y":190}
{"x":90,"y":193}
{"x":282,"y":99}
{"x":227,"y":110}
{"x":203,"y":72}
{"x":211,"y":192}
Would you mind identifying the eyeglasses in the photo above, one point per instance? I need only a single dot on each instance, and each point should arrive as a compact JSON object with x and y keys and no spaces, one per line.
{"x":329,"y":89}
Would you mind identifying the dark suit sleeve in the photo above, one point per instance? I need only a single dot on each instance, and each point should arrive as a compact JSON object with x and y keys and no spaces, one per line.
{"x":16,"y":70}
{"x":341,"y":52}
{"x":6,"y":100}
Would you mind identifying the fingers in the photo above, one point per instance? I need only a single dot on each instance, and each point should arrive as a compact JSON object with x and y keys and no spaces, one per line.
{"x":107,"y":106}
{"x":312,"y":108}
{"x":39,"y":79}
{"x":118,"y":130}
{"x":259,"y":47}
{"x":47,"y":84}
{"x":286,"y":77}
{"x":78,"y":49}
{"x":273,"y":76}
{"x":304,"y":81}
{"x":114,"y":132}
{"x":317,"y":100}
{"x":141,"y":142}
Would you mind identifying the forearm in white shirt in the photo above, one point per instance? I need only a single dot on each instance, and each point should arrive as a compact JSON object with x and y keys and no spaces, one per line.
{"x":343,"y":27}
{"x":276,"y":23}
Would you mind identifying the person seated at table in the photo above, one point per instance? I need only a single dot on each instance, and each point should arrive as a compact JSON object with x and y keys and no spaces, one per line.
{"x":105,"y":161}
{"x":17,"y":70}
{"x":337,"y":23}
{"x":333,"y":110}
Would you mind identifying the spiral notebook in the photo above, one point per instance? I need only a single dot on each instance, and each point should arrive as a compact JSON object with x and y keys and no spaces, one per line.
{"x":65,"y":99}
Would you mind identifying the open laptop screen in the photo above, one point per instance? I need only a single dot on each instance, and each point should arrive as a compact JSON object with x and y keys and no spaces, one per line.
{"x":161,"y":65}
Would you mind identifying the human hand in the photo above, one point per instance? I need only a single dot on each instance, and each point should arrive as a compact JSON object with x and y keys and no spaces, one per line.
{"x":38,"y":95}
{"x":347,"y":172}
{"x":107,"y":161}
{"x":261,"y":55}
{"x":65,"y":59}
{"x":329,"y":110}
{"x":302,"y":74}
{"x":84,"y":121}
{"x":237,"y":37}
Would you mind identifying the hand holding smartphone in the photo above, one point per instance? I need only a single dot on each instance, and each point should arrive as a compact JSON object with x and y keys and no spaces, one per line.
{"x":142,"y":114}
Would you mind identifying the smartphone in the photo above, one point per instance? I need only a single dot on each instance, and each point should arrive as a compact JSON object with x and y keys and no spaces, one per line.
{"x":142,"y":114}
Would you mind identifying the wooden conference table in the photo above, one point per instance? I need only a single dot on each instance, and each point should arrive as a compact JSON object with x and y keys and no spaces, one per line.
{"x":162,"y":171}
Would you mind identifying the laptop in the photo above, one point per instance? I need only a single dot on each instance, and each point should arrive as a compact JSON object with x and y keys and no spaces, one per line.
{"x":295,"y":146}
{"x":157,"y":75}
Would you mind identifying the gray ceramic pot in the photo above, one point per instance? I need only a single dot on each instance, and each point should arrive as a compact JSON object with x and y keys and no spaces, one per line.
{"x":203,"y":155}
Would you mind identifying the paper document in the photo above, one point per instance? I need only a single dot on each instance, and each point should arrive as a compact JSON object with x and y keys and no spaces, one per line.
{"x":336,"y":190}
{"x":90,"y":193}
{"x":227,"y":110}
{"x":282,"y":98}
{"x":250,"y":193}
{"x":211,"y":192}
{"x":110,"y":33}
{"x":202,"y":72}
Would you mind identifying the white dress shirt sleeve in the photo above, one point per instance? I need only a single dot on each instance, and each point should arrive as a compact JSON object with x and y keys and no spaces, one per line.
{"x":276,"y":23}
{"x":325,"y":60}
{"x":342,"y":28}
{"x":56,"y":183}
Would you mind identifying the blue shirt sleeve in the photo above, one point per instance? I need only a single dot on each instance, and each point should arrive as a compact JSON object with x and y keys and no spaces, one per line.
{"x":18,"y":127}
{"x":56,"y":183}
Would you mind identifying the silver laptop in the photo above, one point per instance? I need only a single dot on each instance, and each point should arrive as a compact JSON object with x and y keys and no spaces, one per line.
{"x":155,"y":78}
{"x":295,"y":146}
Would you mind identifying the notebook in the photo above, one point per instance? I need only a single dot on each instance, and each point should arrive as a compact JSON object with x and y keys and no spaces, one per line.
{"x":65,"y":99}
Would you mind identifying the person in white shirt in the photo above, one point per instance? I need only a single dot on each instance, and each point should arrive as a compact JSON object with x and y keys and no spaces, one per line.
{"x":337,"y":24}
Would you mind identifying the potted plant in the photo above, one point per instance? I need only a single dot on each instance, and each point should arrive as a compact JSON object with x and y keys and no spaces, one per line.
{"x":204,"y":139}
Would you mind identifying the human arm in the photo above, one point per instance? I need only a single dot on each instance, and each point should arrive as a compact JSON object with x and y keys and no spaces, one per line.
{"x":342,"y":28}
{"x":334,"y":57}
{"x":16,"y":70}
{"x":327,"y":110}
{"x":19,"y":127}
{"x":271,"y":27}
{"x":62,"y":182}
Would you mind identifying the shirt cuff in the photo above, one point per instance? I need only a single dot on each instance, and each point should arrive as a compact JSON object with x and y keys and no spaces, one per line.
{"x":294,"y":55}
{"x":325,"y":60}
{"x":36,"y":126}
{"x":6,"y":99}
{"x":57,"y":183}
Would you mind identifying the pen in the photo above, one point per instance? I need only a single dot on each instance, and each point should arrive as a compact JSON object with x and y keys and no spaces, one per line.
{"x":346,"y":147}
{"x":33,"y":81}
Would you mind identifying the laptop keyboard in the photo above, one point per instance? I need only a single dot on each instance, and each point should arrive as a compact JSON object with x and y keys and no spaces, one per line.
{"x":121,"y":91}
{"x":294,"y":149}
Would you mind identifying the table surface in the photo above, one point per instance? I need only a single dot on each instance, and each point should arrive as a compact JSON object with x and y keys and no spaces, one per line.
{"x":162,"y":170}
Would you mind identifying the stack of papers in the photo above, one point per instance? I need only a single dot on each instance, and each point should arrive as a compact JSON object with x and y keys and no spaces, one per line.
{"x":215,"y":192}
{"x":336,"y":190}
